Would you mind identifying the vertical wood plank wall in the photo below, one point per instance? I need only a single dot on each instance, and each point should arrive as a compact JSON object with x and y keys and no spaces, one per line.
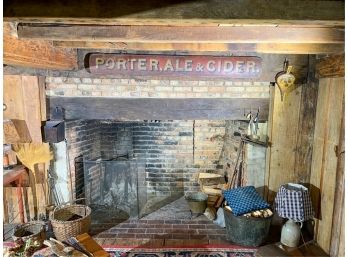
{"x":291,"y":133}
{"x":341,"y":246}
{"x":337,"y":233}
{"x":304,"y":134}
{"x":24,"y":98}
{"x":283,"y":138}
{"x":324,"y":161}
{"x":305,"y":137}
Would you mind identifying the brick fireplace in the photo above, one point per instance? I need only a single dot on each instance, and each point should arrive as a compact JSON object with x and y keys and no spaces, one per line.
{"x":169,"y":153}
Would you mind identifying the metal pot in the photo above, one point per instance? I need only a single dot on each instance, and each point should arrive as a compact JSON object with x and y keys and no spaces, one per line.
{"x":197,"y":201}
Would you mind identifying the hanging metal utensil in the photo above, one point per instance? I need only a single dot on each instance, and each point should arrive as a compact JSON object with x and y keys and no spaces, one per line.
{"x":285,"y":79}
{"x":256,"y":124}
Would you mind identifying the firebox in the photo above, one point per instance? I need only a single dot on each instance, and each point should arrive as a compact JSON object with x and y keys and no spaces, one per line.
{"x":130,"y":169}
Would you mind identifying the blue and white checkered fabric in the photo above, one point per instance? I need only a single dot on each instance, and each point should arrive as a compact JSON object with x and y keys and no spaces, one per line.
{"x":244,"y":199}
{"x":293,"y":202}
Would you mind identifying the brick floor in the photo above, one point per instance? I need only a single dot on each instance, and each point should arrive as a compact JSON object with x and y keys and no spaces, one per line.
{"x":167,"y":229}
{"x":171,"y":225}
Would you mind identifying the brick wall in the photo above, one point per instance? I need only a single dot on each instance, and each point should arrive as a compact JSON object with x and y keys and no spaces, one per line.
{"x":208,"y":142}
{"x":255,"y":155}
{"x":59,"y":86}
{"x":166,"y":148}
{"x":234,"y":129}
{"x":115,"y":139}
{"x":174,"y":152}
{"x":82,"y":140}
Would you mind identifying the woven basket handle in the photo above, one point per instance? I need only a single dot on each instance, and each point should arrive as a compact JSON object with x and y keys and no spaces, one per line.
{"x":63,"y":204}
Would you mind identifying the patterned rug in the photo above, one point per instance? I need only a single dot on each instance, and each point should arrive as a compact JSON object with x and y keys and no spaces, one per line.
{"x":207,"y":251}
{"x":169,"y":252}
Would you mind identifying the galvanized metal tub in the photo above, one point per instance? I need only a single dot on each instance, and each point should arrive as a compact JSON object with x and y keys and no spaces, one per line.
{"x":197,"y":202}
{"x":246,"y":231}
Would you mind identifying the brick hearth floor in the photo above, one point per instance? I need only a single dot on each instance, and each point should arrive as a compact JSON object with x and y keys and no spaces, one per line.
{"x":169,"y":226}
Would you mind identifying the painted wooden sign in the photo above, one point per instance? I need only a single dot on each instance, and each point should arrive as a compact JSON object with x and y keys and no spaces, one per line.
{"x":174,"y":66}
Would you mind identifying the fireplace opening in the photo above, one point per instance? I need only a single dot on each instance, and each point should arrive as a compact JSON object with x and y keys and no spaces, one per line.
{"x":130,"y":169}
{"x":112,"y":187}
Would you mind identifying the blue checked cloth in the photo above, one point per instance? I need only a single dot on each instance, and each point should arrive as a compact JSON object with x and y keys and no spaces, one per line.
{"x":293,"y":202}
{"x":244,"y":199}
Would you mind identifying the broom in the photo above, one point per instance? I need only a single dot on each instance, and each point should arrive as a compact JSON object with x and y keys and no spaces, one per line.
{"x":31,"y":154}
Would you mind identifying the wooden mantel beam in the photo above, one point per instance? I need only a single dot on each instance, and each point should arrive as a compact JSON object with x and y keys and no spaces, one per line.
{"x":181,"y":34}
{"x":158,"y":108}
{"x":271,"y":48}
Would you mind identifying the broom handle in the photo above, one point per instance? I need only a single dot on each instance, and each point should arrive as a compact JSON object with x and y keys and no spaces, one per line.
{"x":32,"y":179}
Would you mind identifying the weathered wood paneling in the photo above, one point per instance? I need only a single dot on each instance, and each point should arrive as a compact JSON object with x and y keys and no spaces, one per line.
{"x":15,"y":131}
{"x":332,"y":66}
{"x":291,"y":133}
{"x":13,"y":97}
{"x":269,"y":134}
{"x":158,"y":109}
{"x":42,"y":97}
{"x":298,"y":155}
{"x":6,"y":218}
{"x":32,"y":106}
{"x":36,"y":54}
{"x":24,"y":102}
{"x":11,"y":205}
{"x":341,"y":247}
{"x":324,"y":162}
{"x":283,"y":138}
{"x":305,"y":137}
{"x":181,"y":34}
{"x":337,"y":233}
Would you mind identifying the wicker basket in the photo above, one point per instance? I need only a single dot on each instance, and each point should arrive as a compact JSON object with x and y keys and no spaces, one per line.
{"x":63,"y":228}
{"x":34,"y":228}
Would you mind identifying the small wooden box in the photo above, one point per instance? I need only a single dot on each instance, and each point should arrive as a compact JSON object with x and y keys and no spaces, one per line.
{"x":54,"y":131}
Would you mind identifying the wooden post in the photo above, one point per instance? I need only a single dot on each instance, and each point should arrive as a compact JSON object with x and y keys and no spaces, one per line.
{"x":325,"y":158}
{"x":304,"y":147}
{"x":20,"y":199}
{"x":338,"y":211}
{"x":269,"y":135}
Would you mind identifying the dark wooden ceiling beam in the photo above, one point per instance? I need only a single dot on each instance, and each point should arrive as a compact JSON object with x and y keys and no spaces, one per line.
{"x":181,"y":34}
{"x":36,"y":53}
{"x":175,"y":12}
{"x":179,"y":22}
{"x":158,"y":108}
